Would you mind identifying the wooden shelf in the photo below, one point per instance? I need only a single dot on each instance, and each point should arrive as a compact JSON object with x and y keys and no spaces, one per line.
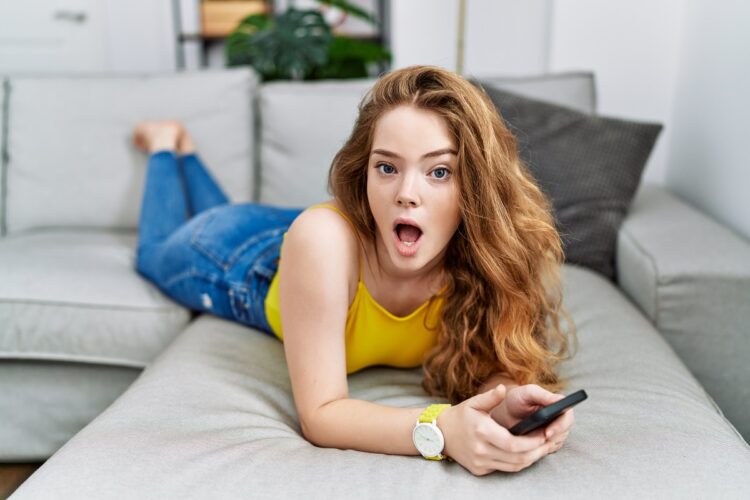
{"x":220,"y":18}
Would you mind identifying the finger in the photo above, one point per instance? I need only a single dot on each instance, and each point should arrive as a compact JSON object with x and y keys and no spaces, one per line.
{"x":489,"y":399}
{"x":501,"y":438}
{"x":520,"y":461}
{"x":563,"y":423}
{"x":534,"y":394}
{"x":555,"y":449}
{"x":558,"y":443}
{"x":561,"y":439}
{"x":505,"y":466}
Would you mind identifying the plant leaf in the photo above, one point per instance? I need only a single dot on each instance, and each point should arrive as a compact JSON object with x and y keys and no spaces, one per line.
{"x":288,"y":46}
{"x":348,"y":58}
{"x":351,"y":9}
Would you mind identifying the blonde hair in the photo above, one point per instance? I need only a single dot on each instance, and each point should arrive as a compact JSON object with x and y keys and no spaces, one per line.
{"x":503,"y":300}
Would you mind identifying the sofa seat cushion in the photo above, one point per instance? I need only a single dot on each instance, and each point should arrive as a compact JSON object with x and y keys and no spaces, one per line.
{"x":74,"y":295}
{"x":45,"y":403}
{"x":214,"y":417}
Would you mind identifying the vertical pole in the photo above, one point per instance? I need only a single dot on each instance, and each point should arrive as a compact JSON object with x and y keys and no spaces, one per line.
{"x":179,"y":43}
{"x":384,"y":30}
{"x":460,"y":37}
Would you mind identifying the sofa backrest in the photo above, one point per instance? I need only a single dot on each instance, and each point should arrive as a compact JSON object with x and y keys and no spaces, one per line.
{"x":304,"y":124}
{"x":71,"y":161}
{"x":575,"y":89}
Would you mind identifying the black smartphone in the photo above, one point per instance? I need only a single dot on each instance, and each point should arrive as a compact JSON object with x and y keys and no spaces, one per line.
{"x":545,"y":415}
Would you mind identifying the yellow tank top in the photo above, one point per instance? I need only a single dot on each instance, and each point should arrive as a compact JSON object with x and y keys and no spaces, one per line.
{"x":374,"y":336}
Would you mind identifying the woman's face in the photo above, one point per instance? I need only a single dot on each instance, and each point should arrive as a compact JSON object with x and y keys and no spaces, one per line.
{"x":412,"y":187}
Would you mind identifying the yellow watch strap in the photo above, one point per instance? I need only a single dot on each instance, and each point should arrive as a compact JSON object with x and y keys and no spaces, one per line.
{"x":431,"y":412}
{"x":428,"y":415}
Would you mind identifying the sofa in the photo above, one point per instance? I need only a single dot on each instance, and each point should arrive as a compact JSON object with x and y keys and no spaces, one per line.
{"x":125,"y":393}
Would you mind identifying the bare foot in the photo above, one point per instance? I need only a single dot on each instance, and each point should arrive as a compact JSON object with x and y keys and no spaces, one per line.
{"x":185,"y":144}
{"x":153,"y":136}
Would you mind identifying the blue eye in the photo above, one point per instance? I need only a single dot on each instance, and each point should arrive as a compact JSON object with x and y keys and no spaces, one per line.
{"x":385,"y":168}
{"x":445,"y":172}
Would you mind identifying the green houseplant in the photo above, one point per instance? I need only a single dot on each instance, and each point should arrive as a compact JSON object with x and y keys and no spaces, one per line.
{"x":300,"y":45}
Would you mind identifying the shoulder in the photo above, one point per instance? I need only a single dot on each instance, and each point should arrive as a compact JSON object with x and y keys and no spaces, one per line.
{"x":324,"y":244}
{"x":323,"y":228}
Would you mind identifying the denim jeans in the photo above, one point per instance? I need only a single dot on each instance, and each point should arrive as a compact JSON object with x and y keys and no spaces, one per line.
{"x":201,"y":250}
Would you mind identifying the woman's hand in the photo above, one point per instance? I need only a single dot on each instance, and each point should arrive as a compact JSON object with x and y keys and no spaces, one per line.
{"x":522,"y":401}
{"x":481,"y":445}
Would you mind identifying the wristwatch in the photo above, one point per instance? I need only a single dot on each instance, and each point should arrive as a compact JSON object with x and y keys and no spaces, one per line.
{"x":427,"y":436}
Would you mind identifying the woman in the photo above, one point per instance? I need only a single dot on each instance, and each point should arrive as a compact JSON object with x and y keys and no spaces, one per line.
{"x":437,"y":249}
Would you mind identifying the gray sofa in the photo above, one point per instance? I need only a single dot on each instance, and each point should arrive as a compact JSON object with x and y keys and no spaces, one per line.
{"x":130,"y":395}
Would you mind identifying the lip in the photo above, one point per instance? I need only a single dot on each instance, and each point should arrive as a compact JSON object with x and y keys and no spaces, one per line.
{"x":406,"y":220}
{"x":406,"y":251}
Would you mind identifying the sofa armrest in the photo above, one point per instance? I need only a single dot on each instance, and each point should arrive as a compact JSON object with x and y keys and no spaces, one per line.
{"x":691,"y":277}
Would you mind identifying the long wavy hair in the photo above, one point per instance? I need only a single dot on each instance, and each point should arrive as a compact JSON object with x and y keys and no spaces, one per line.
{"x":503,"y":300}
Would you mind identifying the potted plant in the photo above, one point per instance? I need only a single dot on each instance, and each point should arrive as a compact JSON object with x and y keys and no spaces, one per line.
{"x":299,"y":44}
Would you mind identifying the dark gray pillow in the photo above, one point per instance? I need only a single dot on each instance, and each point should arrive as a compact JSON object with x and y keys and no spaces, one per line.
{"x":589,"y":166}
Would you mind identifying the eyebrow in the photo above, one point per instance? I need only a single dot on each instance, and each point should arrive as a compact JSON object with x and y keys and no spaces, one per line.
{"x":437,"y":152}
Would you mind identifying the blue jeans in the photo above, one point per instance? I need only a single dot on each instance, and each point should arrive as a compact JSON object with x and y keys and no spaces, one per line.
{"x":201,"y":250}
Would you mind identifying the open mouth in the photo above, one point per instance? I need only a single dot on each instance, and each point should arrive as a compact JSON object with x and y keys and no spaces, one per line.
{"x":408,"y":234}
{"x":406,"y":237}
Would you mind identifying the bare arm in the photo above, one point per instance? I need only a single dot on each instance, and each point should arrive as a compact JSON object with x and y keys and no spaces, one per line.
{"x":320,"y":257}
{"x":365,"y":426}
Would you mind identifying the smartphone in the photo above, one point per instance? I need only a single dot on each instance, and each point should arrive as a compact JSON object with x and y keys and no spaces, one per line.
{"x":545,"y":415}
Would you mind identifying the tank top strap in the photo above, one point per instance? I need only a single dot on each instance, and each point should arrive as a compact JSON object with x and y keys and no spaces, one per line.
{"x":336,"y":209}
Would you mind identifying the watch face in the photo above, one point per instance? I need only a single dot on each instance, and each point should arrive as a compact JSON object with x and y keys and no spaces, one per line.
{"x":428,"y":440}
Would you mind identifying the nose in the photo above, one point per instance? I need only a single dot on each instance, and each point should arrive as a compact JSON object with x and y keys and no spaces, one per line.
{"x":407,"y":195}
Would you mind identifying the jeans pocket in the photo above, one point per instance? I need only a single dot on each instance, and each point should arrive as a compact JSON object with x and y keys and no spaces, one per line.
{"x":267,"y":262}
{"x":248,"y":296}
{"x":248,"y":306}
{"x":239,"y":301}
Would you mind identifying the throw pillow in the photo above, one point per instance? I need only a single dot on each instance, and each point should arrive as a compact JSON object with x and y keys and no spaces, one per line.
{"x":588,"y":166}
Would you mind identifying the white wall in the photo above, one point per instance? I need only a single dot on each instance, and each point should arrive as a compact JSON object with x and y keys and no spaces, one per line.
{"x":507,"y":37}
{"x":632,"y":48}
{"x":684,"y":63}
{"x":502,"y":37}
{"x":709,"y":163}
{"x":140,"y":36}
{"x":83,"y":36}
{"x":424,"y":32}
